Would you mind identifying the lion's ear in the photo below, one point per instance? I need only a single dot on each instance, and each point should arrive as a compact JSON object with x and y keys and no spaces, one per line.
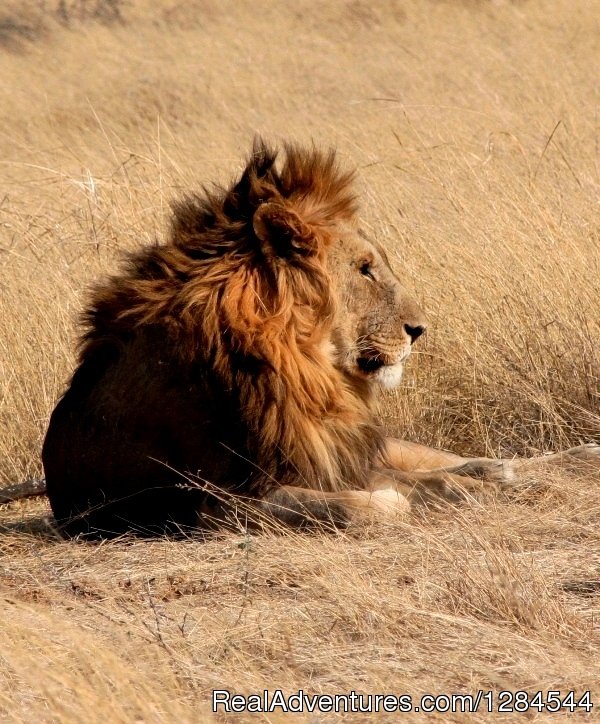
{"x":282,"y":231}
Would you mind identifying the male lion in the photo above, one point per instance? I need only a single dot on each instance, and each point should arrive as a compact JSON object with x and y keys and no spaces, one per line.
{"x":238,"y":362}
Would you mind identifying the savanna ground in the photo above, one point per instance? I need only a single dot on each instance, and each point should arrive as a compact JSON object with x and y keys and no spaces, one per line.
{"x":475,"y":128}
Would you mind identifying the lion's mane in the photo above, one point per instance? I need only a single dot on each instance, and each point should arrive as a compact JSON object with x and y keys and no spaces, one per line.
{"x":257,"y":311}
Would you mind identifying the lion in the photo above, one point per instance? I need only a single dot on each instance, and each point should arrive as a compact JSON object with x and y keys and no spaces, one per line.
{"x":235,"y":367}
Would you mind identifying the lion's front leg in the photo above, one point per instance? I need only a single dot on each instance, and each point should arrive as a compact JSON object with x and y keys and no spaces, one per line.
{"x":430,"y":467}
{"x":452,"y":484}
{"x":410,"y":457}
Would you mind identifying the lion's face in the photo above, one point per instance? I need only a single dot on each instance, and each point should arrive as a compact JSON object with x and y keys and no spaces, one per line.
{"x":377,"y":321}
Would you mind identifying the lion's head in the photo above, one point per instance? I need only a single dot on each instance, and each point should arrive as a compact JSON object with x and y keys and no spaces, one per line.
{"x":310,"y":271}
{"x":376,"y":322}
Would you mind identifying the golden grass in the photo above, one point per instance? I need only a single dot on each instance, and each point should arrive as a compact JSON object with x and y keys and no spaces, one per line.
{"x":475,"y":129}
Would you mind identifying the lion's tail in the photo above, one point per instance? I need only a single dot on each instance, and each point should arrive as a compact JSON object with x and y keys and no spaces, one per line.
{"x":26,"y":489}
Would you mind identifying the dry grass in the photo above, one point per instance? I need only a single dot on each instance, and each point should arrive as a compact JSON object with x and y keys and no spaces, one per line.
{"x":475,"y":128}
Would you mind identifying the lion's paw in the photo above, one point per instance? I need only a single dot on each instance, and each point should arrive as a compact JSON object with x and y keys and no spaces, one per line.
{"x":501,"y":472}
{"x":387,"y":504}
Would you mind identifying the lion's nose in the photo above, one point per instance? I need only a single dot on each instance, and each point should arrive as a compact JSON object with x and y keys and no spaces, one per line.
{"x":414,"y":332}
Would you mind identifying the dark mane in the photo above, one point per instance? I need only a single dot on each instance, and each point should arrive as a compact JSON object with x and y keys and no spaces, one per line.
{"x":222,"y":296}
{"x":159,"y":282}
{"x":220,"y":220}
{"x":221,"y":337}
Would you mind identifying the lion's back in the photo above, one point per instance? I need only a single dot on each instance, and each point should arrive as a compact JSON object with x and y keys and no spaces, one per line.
{"x":126,"y":440}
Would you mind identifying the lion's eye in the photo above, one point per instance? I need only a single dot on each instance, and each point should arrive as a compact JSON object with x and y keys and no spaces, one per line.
{"x":366,"y":270}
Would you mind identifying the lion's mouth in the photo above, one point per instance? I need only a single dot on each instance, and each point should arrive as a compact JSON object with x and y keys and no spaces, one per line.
{"x":370,"y":364}
{"x":381,"y":368}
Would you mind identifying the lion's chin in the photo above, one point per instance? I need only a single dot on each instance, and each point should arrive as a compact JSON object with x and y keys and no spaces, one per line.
{"x":377,"y":372}
{"x":389,"y":376}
